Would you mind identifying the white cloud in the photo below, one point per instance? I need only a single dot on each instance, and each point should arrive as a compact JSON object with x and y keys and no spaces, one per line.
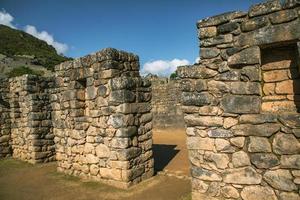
{"x":44,"y":35}
{"x":197,"y":60}
{"x":6,"y":19}
{"x":163,"y":67}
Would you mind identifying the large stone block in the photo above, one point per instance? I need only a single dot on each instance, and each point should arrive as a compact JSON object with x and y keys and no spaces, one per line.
{"x":193,"y":120}
{"x":264,"y":8}
{"x":245,"y":175}
{"x":241,"y":104}
{"x":280,"y":179}
{"x":196,"y":99}
{"x":262,"y":130}
{"x":249,"y":56}
{"x":258,"y":192}
{"x":271,"y":34}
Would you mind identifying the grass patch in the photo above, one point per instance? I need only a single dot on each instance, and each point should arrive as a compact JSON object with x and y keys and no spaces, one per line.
{"x":13,"y":164}
{"x":19,"y":71}
{"x":186,"y":197}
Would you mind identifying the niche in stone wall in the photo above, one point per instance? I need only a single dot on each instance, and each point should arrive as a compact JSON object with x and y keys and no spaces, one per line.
{"x":281,"y":80}
{"x":80,"y":104}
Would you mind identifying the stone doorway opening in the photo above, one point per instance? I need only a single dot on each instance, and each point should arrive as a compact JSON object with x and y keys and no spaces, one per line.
{"x":169,"y":136}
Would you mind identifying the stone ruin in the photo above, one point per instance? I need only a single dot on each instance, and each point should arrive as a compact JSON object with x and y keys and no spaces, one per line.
{"x":240,"y":104}
{"x":166,"y":103}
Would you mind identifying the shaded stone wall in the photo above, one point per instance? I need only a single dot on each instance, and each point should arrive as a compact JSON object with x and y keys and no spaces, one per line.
{"x":5,"y":140}
{"x":30,"y":113}
{"x":165,"y":103}
{"x":239,"y":146}
{"x":102,"y":119}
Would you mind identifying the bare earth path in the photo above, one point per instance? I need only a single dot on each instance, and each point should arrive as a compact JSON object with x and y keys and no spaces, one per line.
{"x":22,"y":181}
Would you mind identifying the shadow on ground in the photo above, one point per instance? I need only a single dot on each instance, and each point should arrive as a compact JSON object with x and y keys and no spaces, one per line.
{"x":163,"y":154}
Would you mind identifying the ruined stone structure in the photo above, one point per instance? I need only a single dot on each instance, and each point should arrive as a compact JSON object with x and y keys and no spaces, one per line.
{"x":241,"y":105}
{"x":102,"y":119}
{"x":26,"y":124}
{"x":166,"y":107}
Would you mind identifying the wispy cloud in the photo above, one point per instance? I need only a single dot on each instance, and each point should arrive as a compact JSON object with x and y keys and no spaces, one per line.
{"x":44,"y":35}
{"x":7,"y":19}
{"x":163,"y":67}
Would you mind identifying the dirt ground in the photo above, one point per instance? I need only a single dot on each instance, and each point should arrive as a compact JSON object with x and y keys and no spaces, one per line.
{"x":22,"y":181}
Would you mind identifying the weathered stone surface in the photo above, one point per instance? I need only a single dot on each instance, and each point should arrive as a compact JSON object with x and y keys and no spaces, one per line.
{"x":283,"y":16}
{"x":264,"y":160}
{"x":229,"y":76}
{"x":259,"y":144}
{"x":245,"y":88}
{"x":246,"y":175}
{"x":220,"y":19}
{"x":207,"y":32}
{"x":196,"y":71}
{"x":196,"y":99}
{"x":240,"y":159}
{"x":102,"y":151}
{"x":264,"y":8}
{"x":220,"y":160}
{"x":228,"y":27}
{"x":219,"y":133}
{"x":290,"y":120}
{"x":204,"y":174}
{"x":193,"y":120}
{"x":285,"y":144}
{"x":289,"y":196}
{"x":200,"y":143}
{"x":221,"y":39}
{"x":280,"y":179}
{"x":258,"y":119}
{"x":258,"y":192}
{"x":217,"y":86}
{"x":230,"y":192}
{"x":223,"y":145}
{"x":245,"y":57}
{"x":290,"y":161}
{"x":253,"y":24}
{"x":263,"y":130}
{"x":238,"y":141}
{"x":207,"y":53}
{"x":230,"y":122}
{"x":275,"y":76}
{"x":246,"y":104}
{"x":270,"y":34}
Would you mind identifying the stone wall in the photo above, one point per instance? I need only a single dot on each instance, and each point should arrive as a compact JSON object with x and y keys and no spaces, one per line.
{"x":166,"y":107}
{"x":240,"y":105}
{"x":5,"y":141}
{"x":102,"y":119}
{"x":30,"y":113}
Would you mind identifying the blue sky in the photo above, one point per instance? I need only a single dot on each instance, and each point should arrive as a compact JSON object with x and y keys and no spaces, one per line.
{"x":159,"y":31}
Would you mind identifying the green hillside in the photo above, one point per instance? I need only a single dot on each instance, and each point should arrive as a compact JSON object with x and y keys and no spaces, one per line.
{"x":15,"y":42}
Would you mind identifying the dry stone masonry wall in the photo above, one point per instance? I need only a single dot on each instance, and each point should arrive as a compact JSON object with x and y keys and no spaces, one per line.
{"x":5,"y":136}
{"x":166,"y":107}
{"x":102,"y":119}
{"x":240,"y":105}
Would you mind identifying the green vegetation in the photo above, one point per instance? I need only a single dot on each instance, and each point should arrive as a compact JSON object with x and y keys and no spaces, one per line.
{"x":174,"y":75}
{"x":15,"y":42}
{"x":19,"y":71}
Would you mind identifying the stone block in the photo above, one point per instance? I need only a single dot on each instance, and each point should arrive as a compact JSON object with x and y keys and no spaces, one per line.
{"x":290,"y":161}
{"x":208,"y":53}
{"x":286,"y":144}
{"x":245,"y":175}
{"x":258,"y":192}
{"x":240,"y":159}
{"x":259,"y":144}
{"x":220,"y":19}
{"x":210,"y":121}
{"x":249,"y":56}
{"x":264,"y":8}
{"x":261,"y":130}
{"x":270,"y":34}
{"x":283,"y":16}
{"x":196,"y":99}
{"x":254,"y":23}
{"x":240,"y":104}
{"x":245,"y":88}
{"x":201,"y":143}
{"x":205,"y":175}
{"x":280,"y":179}
{"x":207,"y":32}
{"x":264,"y":160}
{"x":220,"y":39}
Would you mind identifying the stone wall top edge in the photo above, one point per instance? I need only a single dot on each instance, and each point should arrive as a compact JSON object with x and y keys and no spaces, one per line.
{"x":99,"y":56}
{"x":264,"y":8}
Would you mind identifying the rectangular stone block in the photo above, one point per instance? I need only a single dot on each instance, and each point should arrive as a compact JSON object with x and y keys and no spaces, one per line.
{"x":241,"y":104}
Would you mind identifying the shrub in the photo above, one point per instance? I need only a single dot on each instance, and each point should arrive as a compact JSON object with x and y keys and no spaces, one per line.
{"x":19,"y":71}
